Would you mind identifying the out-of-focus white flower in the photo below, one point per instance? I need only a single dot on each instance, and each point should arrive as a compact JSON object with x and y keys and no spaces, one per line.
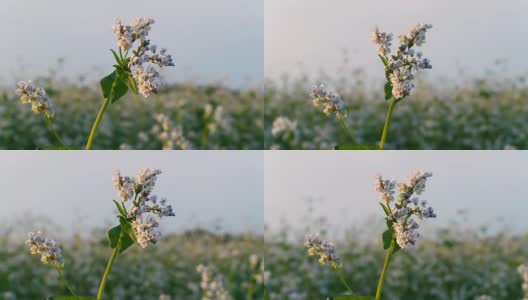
{"x":146,"y":209}
{"x":40,"y":102}
{"x":405,"y":206}
{"x":164,"y":297}
{"x":401,"y":66}
{"x":483,"y":297}
{"x":216,"y":118}
{"x":282,"y":125}
{"x":47,"y":248}
{"x":145,"y":56}
{"x":330,"y":101}
{"x":212,"y":284}
{"x":171,"y":136}
{"x":523,"y":270}
{"x":326,"y":251}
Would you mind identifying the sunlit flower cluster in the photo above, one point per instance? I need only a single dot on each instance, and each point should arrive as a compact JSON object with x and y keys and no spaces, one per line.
{"x":40,"y":102}
{"x":145,"y":56}
{"x":405,"y":206}
{"x":212,"y":284}
{"x":146,"y":209}
{"x":401,"y":67}
{"x":47,"y":248}
{"x":283,"y":125}
{"x":326,"y":251}
{"x":523,"y":270}
{"x":330,"y":101}
{"x":171,"y":136}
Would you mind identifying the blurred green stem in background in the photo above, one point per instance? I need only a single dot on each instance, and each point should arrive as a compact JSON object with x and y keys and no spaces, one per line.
{"x":96,"y":123}
{"x":387,"y":123}
{"x":65,"y":282}
{"x":346,"y":129}
{"x":50,"y":127}
{"x":340,"y":275}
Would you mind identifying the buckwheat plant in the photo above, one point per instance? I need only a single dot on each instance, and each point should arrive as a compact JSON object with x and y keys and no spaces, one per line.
{"x":140,"y":212}
{"x":40,"y":103}
{"x":523,"y":270}
{"x":403,"y":210}
{"x":49,"y":253}
{"x":400,"y":68}
{"x":137,"y":67}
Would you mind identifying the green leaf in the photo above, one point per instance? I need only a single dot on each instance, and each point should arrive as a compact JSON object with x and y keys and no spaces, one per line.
{"x":387,"y":237}
{"x":118,"y":60}
{"x":356,"y":147}
{"x":384,"y":60}
{"x":120,"y":208}
{"x":113,"y":237}
{"x":60,"y":148}
{"x":388,"y":90}
{"x":385,"y":209}
{"x":113,"y":86}
{"x":352,"y":297}
{"x":72,"y":298}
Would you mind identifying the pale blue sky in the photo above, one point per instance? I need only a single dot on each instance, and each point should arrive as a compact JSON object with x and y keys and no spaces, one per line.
{"x":488,"y":184}
{"x":74,"y":189}
{"x":469,"y":33}
{"x":209,"y":39}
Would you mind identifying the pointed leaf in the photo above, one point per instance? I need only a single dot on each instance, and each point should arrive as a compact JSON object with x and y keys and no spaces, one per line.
{"x":114,"y":235}
{"x":120,"y":208}
{"x":113,"y":87}
{"x":118,"y":60}
{"x":387,"y":237}
{"x":385,"y":209}
{"x":384,"y":60}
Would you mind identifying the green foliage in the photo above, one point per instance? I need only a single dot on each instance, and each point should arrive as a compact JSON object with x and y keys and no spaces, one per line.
{"x":388,"y":90}
{"x":115,"y":85}
{"x":119,"y":236}
{"x":352,"y":297}
{"x":60,"y":148}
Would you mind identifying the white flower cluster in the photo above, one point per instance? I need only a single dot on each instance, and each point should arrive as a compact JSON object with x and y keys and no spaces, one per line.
{"x":327,"y":251}
{"x":523,"y":270}
{"x":47,"y":248}
{"x":40,"y":102}
{"x":330,"y":101}
{"x":282,"y":125}
{"x":170,"y":136}
{"x":145,"y":56}
{"x":146,"y":209}
{"x":212,"y":284}
{"x":406,"y":61}
{"x":217,"y":118}
{"x":405,"y":206}
{"x":483,"y":297}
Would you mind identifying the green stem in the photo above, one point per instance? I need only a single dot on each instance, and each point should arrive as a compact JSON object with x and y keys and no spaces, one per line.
{"x":50,"y":127}
{"x":65,"y":282}
{"x":340,"y":275}
{"x":387,"y":124}
{"x":384,"y":271}
{"x":109,"y":267}
{"x":96,"y":123}
{"x":205,"y":136}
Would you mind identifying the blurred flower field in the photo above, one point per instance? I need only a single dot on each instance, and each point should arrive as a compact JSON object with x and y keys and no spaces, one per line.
{"x":179,"y":117}
{"x":486,"y":112}
{"x":167,"y":271}
{"x":449,"y":263}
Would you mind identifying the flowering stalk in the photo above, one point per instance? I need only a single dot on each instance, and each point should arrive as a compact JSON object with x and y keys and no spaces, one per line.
{"x":138,"y":72}
{"x":40,"y":104}
{"x":400,"y":68}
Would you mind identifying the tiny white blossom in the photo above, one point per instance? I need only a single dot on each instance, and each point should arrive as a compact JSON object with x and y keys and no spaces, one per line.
{"x":47,"y":248}
{"x":383,"y":40}
{"x":283,"y":125}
